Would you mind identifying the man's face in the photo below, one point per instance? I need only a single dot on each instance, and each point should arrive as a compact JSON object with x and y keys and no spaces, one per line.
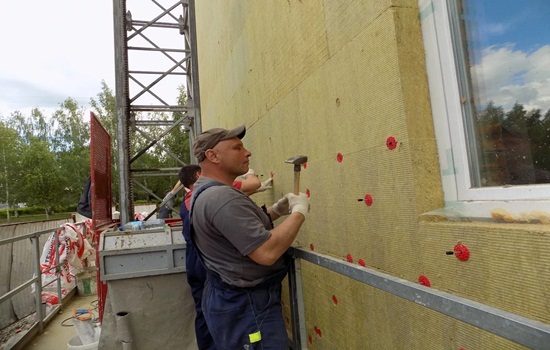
{"x":232,"y":156}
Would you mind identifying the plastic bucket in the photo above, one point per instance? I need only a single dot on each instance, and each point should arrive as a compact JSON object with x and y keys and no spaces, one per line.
{"x":75,"y":343}
{"x":84,"y":328}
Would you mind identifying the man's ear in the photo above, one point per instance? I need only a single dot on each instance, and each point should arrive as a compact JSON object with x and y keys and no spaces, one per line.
{"x":212,"y":156}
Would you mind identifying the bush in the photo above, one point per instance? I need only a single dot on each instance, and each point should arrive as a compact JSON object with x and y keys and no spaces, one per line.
{"x":35,"y":210}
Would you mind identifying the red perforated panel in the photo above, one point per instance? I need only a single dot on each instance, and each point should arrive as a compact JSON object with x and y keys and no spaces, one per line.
{"x":100,"y":168}
{"x":100,"y":165}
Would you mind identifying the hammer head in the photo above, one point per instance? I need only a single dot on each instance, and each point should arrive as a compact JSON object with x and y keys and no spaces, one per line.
{"x":297,"y":161}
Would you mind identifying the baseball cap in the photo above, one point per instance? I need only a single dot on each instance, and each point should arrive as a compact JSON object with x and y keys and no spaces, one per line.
{"x":210,"y":138}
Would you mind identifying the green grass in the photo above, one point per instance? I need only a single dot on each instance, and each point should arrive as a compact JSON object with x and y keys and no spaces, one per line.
{"x":38,"y":217}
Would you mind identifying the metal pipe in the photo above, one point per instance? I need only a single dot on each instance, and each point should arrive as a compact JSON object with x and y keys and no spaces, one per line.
{"x":194,"y":76}
{"x":38,"y":283}
{"x":297,"y":309}
{"x":126,"y":204}
{"x":160,"y":49}
{"x":123,"y":331}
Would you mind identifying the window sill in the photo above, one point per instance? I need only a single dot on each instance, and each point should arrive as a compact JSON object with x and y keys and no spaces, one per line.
{"x":527,"y":212}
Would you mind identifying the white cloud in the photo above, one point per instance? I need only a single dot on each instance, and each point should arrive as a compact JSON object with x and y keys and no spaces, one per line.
{"x":506,"y":76}
{"x":53,"y":50}
{"x":493,"y":29}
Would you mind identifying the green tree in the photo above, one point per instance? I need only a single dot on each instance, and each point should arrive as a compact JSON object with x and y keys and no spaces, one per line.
{"x":178,"y":139}
{"x":539,"y":136}
{"x":41,"y":176}
{"x":105,"y":109}
{"x":34,"y":126}
{"x":31,"y":130}
{"x":10,"y":150}
{"x":516,"y":119}
{"x":70,"y":143}
{"x":492,"y":115}
{"x":71,"y":131}
{"x":18,"y":122}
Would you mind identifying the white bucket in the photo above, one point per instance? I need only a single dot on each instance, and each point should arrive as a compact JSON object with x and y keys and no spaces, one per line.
{"x":75,"y":343}
{"x":84,"y":329}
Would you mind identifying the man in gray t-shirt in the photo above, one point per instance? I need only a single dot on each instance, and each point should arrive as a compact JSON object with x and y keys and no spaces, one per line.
{"x":236,"y":226}
{"x":243,"y":253}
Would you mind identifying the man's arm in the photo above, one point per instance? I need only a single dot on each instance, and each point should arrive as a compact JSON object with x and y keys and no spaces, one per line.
{"x":280,"y":240}
{"x":284,"y":234}
{"x":176,"y":187}
{"x":250,"y":183}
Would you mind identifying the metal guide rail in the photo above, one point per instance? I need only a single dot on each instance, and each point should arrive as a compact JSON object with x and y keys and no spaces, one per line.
{"x":519,"y":329}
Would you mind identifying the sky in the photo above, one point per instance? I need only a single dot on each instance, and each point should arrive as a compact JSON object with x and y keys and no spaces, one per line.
{"x":52,"y":50}
{"x":512,"y":59}
{"x":55,"y":49}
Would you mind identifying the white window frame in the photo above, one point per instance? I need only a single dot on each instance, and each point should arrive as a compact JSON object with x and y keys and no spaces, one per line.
{"x":523,"y":203}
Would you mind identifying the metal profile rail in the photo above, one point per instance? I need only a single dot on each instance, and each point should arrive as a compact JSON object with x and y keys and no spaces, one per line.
{"x":519,"y":329}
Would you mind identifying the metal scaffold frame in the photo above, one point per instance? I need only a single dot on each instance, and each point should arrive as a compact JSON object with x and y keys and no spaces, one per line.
{"x":136,"y":81}
{"x":519,"y":329}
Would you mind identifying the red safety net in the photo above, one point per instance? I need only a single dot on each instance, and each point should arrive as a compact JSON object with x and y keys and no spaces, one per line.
{"x":100,"y":165}
{"x":100,"y":168}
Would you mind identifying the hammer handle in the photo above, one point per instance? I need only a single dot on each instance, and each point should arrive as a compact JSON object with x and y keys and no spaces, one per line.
{"x":296,"y":182}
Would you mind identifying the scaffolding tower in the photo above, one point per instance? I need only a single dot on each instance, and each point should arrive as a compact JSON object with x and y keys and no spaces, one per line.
{"x":155,"y":55}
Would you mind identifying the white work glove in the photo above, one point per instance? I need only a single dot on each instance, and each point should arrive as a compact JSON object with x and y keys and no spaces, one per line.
{"x":265,"y":185}
{"x":281,"y":207}
{"x":298,"y":203}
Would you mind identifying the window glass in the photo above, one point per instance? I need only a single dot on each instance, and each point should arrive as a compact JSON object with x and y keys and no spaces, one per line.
{"x":505,"y":56}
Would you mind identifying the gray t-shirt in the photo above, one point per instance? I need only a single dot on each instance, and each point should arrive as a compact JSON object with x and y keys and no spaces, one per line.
{"x":228,"y":226}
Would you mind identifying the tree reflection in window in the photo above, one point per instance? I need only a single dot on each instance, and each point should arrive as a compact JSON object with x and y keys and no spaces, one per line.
{"x":506,"y":53}
{"x":514,"y":146}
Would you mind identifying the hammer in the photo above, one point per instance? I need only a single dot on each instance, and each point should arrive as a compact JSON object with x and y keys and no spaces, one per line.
{"x":297,"y":161}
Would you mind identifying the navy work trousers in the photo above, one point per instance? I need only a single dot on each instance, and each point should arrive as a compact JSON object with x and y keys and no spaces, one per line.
{"x":196,"y":277}
{"x":234,"y":314}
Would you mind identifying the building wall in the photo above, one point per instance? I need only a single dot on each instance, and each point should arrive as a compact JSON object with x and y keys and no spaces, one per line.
{"x":344,"y":82}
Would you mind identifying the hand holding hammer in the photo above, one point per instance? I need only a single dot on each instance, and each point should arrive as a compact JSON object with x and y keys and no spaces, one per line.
{"x":299,"y":202}
{"x":297,"y":161}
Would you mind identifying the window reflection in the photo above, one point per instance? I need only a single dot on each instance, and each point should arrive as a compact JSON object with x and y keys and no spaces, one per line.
{"x":508,"y":53}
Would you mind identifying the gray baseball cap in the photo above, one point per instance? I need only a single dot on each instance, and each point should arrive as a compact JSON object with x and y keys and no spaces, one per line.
{"x":210,"y":138}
